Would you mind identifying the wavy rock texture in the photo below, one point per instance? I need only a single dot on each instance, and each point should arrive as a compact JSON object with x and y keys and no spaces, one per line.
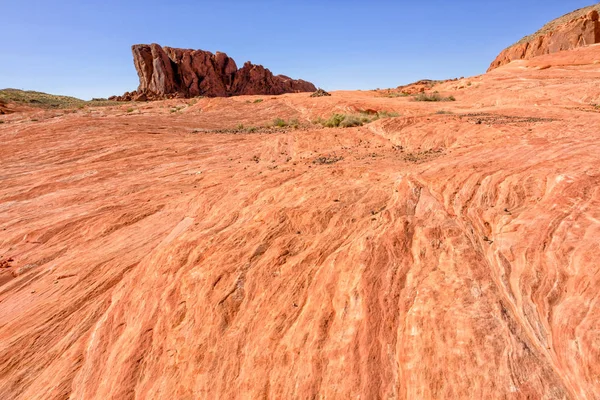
{"x":155,"y":255}
{"x":169,"y":72}
{"x":583,"y":30}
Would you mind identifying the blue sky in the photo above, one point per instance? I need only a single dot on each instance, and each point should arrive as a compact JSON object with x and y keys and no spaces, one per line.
{"x":82,"y":48}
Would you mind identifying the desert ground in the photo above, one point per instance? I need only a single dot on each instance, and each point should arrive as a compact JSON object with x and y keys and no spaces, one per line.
{"x":188,"y":249}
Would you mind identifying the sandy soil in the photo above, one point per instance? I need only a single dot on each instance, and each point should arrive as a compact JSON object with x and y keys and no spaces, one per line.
{"x":161,"y":252}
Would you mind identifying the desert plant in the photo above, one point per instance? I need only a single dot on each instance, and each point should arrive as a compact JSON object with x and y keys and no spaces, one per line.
{"x":334,"y":121}
{"x":387,"y":114}
{"x":279,"y":122}
{"x":329,"y":159}
{"x":432,"y":97}
{"x":129,"y":110}
{"x":258,"y":101}
{"x":351,"y":120}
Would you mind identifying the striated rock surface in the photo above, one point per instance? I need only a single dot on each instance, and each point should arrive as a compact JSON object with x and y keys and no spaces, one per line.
{"x":573,"y":30}
{"x":152,"y":254}
{"x":169,"y":72}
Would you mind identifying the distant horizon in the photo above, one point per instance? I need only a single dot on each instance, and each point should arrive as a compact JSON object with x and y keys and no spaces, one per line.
{"x":84,"y":51}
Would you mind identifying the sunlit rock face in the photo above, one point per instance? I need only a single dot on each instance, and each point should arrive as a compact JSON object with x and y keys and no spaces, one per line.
{"x":181,"y":249}
{"x":169,"y":72}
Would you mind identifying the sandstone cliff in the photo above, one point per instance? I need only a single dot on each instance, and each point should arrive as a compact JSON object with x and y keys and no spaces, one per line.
{"x":167,"y":72}
{"x":576,"y":29}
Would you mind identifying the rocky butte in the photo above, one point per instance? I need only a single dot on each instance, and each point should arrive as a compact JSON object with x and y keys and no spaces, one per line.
{"x":576,"y":29}
{"x":167,"y":72}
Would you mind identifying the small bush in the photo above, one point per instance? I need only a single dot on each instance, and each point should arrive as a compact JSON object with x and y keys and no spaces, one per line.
{"x":334,"y":121}
{"x":1,"y":122}
{"x":240,"y":126}
{"x":258,"y":101}
{"x":387,"y":114}
{"x":279,"y":122}
{"x":396,"y":94}
{"x":129,"y":110}
{"x":432,"y":97}
{"x":350,"y":121}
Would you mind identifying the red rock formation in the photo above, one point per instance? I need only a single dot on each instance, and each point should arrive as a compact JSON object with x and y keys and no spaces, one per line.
{"x":426,"y":256}
{"x":168,"y":72}
{"x":581,"y":31}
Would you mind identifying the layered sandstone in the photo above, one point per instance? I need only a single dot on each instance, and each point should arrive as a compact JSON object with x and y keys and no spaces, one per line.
{"x":566,"y":33}
{"x":439,"y":255}
{"x":167,"y":72}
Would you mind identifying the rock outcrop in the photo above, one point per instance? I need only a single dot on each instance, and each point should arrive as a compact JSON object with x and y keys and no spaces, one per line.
{"x":576,"y":29}
{"x":167,"y":72}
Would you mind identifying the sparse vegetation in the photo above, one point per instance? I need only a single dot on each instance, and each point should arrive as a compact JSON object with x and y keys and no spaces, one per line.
{"x":130,"y":110}
{"x":282,"y":123}
{"x":48,"y":101}
{"x":352,"y":120}
{"x":444,"y":112}
{"x":396,"y":94}
{"x":258,"y":101}
{"x":387,"y":114}
{"x":432,"y":97}
{"x":329,"y":159}
{"x":279,"y":122}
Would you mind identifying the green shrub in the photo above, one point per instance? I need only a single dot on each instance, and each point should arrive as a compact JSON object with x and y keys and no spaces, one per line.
{"x":432,"y":97}
{"x":258,"y":101}
{"x":350,"y":120}
{"x":129,"y":110}
{"x":334,"y":121}
{"x":279,"y":122}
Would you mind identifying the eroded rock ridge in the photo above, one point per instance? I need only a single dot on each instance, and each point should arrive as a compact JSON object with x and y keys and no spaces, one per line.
{"x":167,"y":72}
{"x":580,"y":31}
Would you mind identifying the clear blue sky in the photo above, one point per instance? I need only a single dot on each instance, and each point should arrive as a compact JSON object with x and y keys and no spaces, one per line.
{"x":82,"y":48}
